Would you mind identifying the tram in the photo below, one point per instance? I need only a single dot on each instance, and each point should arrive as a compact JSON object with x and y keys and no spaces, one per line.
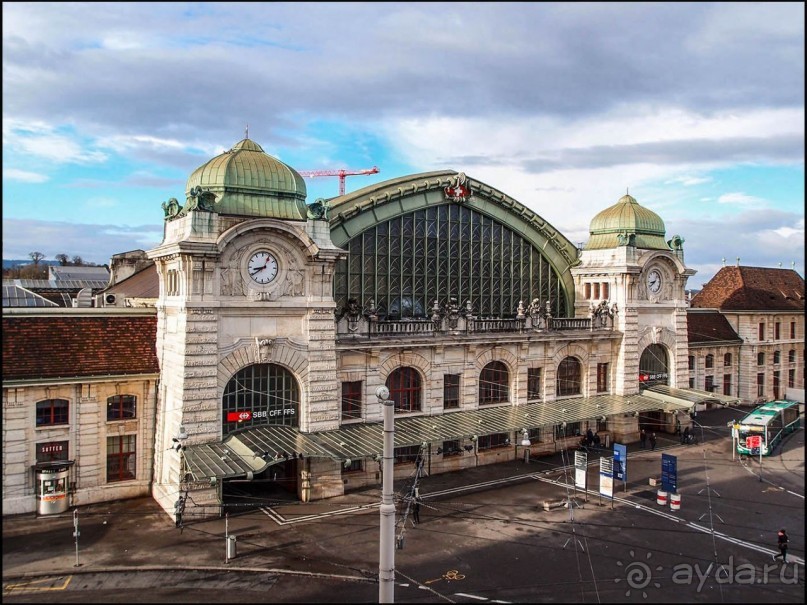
{"x":770,"y":422}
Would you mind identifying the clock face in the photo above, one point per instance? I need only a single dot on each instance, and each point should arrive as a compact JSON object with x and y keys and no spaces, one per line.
{"x":262,"y":267}
{"x":654,"y":281}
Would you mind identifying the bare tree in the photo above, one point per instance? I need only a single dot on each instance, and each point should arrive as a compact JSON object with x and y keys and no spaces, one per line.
{"x":78,"y":261}
{"x":36,"y":257}
{"x":63,"y":259}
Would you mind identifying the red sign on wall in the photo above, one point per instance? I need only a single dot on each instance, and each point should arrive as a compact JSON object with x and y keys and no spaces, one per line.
{"x":239,"y":416}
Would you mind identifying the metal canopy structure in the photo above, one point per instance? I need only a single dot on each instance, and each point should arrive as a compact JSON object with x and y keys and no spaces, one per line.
{"x":254,"y":449}
{"x":687,"y":398}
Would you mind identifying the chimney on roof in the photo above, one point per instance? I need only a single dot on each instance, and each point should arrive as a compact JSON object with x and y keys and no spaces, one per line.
{"x":738,"y":261}
{"x":724,"y":261}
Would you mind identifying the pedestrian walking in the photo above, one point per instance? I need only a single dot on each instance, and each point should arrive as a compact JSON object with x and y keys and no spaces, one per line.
{"x":685,"y":436}
{"x":643,"y":438}
{"x":677,"y":426}
{"x":782,"y":540}
{"x":416,"y":510}
{"x":652,"y":441}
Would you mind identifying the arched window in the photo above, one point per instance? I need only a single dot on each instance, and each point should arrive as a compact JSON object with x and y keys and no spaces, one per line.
{"x":121,"y":407}
{"x":264,"y":393}
{"x":50,"y":412}
{"x":494,"y":383}
{"x":569,"y":377}
{"x":404,"y":389}
{"x":727,"y":359}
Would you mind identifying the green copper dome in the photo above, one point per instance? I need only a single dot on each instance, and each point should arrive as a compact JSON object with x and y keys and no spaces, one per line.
{"x":246,"y":181}
{"x":627,"y":222}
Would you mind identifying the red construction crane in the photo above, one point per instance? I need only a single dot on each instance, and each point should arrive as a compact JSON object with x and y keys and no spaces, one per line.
{"x":341,"y":173}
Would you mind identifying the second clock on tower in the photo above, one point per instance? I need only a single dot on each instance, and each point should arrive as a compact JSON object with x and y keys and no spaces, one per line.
{"x":654,"y":281}
{"x":262,"y":267}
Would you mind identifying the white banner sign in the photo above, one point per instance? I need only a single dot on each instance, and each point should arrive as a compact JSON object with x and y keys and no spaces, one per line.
{"x":607,"y":477}
{"x":580,"y":468}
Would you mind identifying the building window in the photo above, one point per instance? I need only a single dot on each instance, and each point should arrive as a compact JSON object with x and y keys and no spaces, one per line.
{"x":691,"y":362}
{"x":451,"y":391}
{"x":51,"y":412}
{"x":691,"y":383}
{"x":727,"y":360}
{"x":569,"y":430}
{"x":120,"y":458}
{"x":534,"y":386}
{"x":776,"y":384}
{"x":52,"y":451}
{"x":493,"y":440}
{"x":534,"y":435}
{"x":791,"y":379}
{"x":596,"y":291}
{"x":791,"y":356}
{"x":450,"y":448}
{"x":710,"y":361}
{"x":404,"y":388}
{"x":605,"y":291}
{"x":587,"y":291}
{"x":727,"y":384}
{"x":494,"y":383}
{"x":709,"y":383}
{"x":121,"y":407}
{"x":409,"y":454}
{"x":760,"y":359}
{"x":352,"y":395}
{"x":777,"y":330}
{"x":602,"y":377}
{"x":355,"y":466}
{"x":569,"y":377}
{"x":777,"y":357}
{"x":260,"y":394}
{"x":792,"y":329}
{"x":760,"y":384}
{"x":761,"y":332}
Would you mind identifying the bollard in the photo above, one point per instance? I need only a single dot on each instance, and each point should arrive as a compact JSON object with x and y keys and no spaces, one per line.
{"x":231,"y":551}
{"x":661,"y":498}
{"x":675,"y":501}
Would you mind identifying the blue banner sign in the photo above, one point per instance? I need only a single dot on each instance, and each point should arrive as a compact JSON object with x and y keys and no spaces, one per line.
{"x":621,"y":462}
{"x":669,"y":473}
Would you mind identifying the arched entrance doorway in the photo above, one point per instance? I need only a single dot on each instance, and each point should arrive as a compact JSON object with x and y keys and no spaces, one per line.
{"x":263,"y":394}
{"x":653,"y":370}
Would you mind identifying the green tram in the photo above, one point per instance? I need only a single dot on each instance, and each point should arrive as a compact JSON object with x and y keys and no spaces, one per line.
{"x":770,"y":422}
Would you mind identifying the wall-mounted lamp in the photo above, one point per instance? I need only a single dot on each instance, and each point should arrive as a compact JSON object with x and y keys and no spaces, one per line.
{"x":348,"y":462}
{"x":473,"y":437}
{"x":635,"y":414}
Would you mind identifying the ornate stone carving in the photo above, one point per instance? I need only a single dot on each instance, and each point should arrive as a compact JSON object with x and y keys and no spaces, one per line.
{"x":459,"y":190}
{"x":262,"y":348}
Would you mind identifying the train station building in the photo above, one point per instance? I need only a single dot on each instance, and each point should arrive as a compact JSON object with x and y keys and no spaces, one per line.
{"x":255,"y":357}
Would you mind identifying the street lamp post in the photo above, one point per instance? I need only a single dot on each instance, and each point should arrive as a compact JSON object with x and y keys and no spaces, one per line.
{"x":386,"y":559}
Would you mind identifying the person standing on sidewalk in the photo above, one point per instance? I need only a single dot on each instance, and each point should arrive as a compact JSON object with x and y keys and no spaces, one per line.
{"x":643,"y":438}
{"x":653,"y":441}
{"x":782,"y":540}
{"x":416,"y":510}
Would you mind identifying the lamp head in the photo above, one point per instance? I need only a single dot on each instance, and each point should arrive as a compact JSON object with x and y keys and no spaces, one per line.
{"x":382,"y":393}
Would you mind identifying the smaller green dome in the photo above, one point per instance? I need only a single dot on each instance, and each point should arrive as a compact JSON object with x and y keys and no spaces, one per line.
{"x":247,"y":181}
{"x":614,"y":226}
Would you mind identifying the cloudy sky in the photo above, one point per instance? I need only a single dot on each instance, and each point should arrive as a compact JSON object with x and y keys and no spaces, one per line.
{"x":696,"y":108}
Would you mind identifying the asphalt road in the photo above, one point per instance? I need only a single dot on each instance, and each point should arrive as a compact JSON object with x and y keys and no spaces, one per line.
{"x":493,"y":543}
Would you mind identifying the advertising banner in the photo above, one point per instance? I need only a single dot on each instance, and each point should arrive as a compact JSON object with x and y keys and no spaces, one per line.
{"x":580,"y":468}
{"x":621,"y":462}
{"x":669,"y":473}
{"x":607,"y":477}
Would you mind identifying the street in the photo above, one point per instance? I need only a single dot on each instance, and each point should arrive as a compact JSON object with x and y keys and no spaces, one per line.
{"x":494,"y":542}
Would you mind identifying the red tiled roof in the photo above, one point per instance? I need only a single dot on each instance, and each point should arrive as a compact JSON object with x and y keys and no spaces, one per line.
{"x":752,"y":289}
{"x":65,"y":347}
{"x":710,"y":326}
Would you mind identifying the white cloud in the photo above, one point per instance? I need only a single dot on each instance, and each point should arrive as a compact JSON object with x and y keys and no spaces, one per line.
{"x":737,"y":198}
{"x":24,"y":176}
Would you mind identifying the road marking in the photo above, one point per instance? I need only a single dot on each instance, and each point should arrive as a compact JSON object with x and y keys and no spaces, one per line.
{"x":30,"y":585}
